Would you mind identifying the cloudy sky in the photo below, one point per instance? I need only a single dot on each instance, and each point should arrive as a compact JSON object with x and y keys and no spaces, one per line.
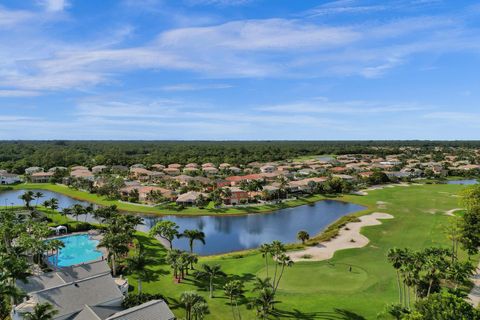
{"x":239,"y":69}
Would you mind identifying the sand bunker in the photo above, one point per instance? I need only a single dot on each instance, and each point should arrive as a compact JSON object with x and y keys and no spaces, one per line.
{"x":348,"y":238}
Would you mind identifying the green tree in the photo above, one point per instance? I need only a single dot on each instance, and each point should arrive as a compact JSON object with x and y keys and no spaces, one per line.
{"x":210,"y":274}
{"x":303,"y":236}
{"x":27,"y":197}
{"x":444,"y":306}
{"x":234,"y":290}
{"x":165,"y":229}
{"x":41,"y":311}
{"x":193,"y":235}
{"x":137,"y":264}
{"x":37,"y":196}
{"x":192,"y":302}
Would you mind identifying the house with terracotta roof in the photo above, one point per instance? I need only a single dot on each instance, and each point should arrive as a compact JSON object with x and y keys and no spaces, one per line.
{"x":41,"y":177}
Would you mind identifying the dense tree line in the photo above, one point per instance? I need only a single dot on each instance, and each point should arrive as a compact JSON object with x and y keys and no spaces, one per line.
{"x":18,"y":155}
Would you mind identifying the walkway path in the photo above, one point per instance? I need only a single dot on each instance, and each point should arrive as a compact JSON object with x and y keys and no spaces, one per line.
{"x":348,"y":237}
{"x":474,"y":295}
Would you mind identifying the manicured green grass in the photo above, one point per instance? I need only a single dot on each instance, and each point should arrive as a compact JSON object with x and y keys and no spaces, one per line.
{"x":209,"y":210}
{"x":327,"y":289}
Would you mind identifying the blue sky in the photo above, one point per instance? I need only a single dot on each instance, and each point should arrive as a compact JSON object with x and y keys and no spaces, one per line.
{"x":239,"y":69}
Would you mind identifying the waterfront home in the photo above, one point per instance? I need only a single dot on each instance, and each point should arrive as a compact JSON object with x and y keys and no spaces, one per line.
{"x":189,"y":198}
{"x":237,"y":196}
{"x":82,"y":174}
{"x":9,"y":178}
{"x":41,"y":177}
{"x":32,"y":170}
{"x":145,"y":192}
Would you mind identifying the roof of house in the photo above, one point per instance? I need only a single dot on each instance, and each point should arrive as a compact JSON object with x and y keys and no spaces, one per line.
{"x":42,"y":174}
{"x":152,"y":310}
{"x":72,"y":297}
{"x":64,"y":275}
{"x":190,"y":196}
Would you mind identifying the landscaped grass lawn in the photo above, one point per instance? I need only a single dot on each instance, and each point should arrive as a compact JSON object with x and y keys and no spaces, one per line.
{"x":327,"y":290}
{"x":209,"y":210}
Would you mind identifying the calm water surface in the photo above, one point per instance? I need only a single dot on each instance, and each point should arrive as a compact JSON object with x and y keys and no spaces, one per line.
{"x":233,"y":233}
{"x":465,"y":181}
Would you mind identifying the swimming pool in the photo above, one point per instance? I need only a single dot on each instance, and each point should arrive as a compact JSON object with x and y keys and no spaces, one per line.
{"x":78,"y":249}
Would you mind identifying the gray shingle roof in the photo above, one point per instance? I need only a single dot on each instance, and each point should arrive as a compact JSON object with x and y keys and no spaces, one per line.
{"x":64,"y":275}
{"x":71,"y":298}
{"x":152,"y":310}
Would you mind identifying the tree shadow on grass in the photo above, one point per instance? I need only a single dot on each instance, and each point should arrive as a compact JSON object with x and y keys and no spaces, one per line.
{"x":337,"y":314}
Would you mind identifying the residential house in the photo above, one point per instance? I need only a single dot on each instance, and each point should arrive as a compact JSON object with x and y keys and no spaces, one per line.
{"x":235,"y":180}
{"x":75,"y":168}
{"x":210,"y":170}
{"x":268,"y":168}
{"x":144,"y":192}
{"x":9,"y":178}
{"x":32,"y":170}
{"x":189,"y":198}
{"x":237,"y":196}
{"x":82,"y":174}
{"x":172,"y":171}
{"x":99,"y":169}
{"x":41,"y":177}
{"x":158,"y":167}
{"x":54,"y":169}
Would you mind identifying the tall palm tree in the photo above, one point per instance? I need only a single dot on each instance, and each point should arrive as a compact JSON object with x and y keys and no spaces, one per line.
{"x":89,"y":210}
{"x":234,"y":290}
{"x":37,"y":196}
{"x":193,"y":235}
{"x":27,"y":197}
{"x":210,"y":274}
{"x":190,"y":299}
{"x":77,"y":210}
{"x":54,"y":203}
{"x":138,"y":264}
{"x":116,"y":245}
{"x":41,"y":311}
{"x":284,"y":261}
{"x":265,"y":249}
{"x":264,"y":303}
{"x":396,"y":257}
{"x":55,"y":245}
{"x":172,"y":258}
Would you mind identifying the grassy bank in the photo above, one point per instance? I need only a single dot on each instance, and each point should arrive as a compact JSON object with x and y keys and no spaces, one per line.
{"x":100,"y":200}
{"x":327,"y":290}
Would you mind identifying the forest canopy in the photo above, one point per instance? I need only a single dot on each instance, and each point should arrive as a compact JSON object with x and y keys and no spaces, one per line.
{"x":15,"y":156}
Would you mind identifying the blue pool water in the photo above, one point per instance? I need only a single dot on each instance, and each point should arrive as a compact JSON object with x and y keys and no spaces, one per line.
{"x":78,"y":249}
{"x":465,"y":181}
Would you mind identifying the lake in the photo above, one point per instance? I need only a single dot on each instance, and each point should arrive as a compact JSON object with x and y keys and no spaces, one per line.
{"x":233,"y":233}
{"x":464,"y":181}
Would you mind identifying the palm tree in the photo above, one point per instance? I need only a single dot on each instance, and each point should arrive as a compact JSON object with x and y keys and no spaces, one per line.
{"x":165,"y":229}
{"x":54,"y":203}
{"x":89,"y":210}
{"x":396,"y":258}
{"x":262,"y":284}
{"x":138,"y":264}
{"x":42,"y":311}
{"x":233,"y":290}
{"x":284,"y":261}
{"x":460,"y":272}
{"x":265,"y":249}
{"x":116,"y":245}
{"x":192,"y":258}
{"x":264,"y":302}
{"x":303,"y":236}
{"x":190,"y":299}
{"x":78,"y":210}
{"x":283,"y":184}
{"x":193,"y":235}
{"x":210,"y":274}
{"x":37,"y":196}
{"x":27,"y":197}
{"x":55,"y":245}
{"x":172,"y":258}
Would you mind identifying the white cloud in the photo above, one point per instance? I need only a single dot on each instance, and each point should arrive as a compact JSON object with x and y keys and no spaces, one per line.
{"x":18,"y":93}
{"x":10,"y":18}
{"x":196,"y":87}
{"x":55,"y":5}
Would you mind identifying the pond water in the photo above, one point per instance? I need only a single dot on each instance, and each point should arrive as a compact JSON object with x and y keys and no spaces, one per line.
{"x":11,"y":197}
{"x":233,"y":233}
{"x":464,"y":181}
